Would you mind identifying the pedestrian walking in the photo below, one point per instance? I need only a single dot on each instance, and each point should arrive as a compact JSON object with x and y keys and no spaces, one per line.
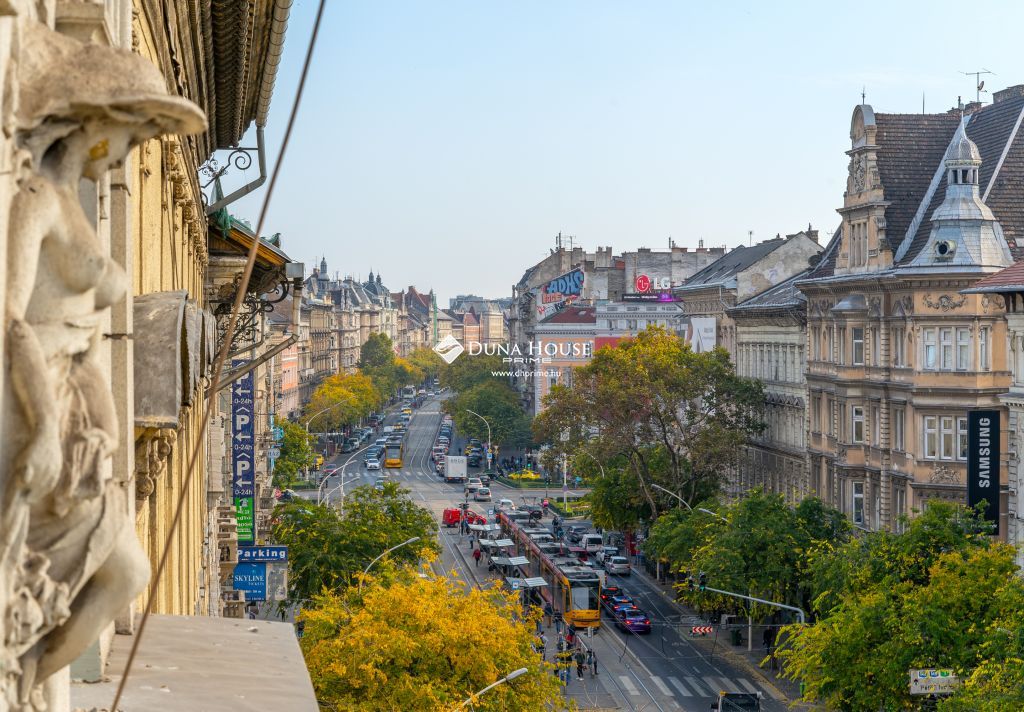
{"x":558,"y":623}
{"x":477,"y":555}
{"x":581,"y":660}
{"x":547,"y":614}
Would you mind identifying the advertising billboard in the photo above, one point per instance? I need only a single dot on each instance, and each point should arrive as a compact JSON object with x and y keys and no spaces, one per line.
{"x":983,"y":464}
{"x":700,"y":332}
{"x":243,"y":455}
{"x":559,"y":293}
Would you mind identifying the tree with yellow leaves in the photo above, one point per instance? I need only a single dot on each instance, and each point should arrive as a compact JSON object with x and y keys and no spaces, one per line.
{"x":342,"y":399}
{"x":412,"y":643}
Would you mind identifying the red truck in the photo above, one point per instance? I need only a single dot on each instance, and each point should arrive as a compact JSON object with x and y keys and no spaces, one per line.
{"x":452,"y":516}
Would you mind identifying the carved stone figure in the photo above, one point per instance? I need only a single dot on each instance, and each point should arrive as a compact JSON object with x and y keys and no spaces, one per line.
{"x":70,"y":559}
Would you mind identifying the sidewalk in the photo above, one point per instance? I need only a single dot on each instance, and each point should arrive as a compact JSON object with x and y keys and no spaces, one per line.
{"x":751,"y":660}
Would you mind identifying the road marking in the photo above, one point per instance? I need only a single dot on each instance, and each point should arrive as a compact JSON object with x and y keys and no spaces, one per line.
{"x":727,"y":684}
{"x":698,"y":688}
{"x":628,"y":684}
{"x":746,"y":684}
{"x":661,"y":686}
{"x":679,"y":686}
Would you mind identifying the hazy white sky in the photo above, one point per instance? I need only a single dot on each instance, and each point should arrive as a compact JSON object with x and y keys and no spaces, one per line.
{"x":444,"y":144}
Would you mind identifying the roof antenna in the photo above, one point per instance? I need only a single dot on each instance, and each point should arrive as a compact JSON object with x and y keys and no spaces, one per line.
{"x":922,"y":102}
{"x":750,"y":238}
{"x":979,"y":85}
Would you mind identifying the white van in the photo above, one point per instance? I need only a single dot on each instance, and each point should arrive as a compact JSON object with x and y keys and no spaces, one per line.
{"x":592,"y":543}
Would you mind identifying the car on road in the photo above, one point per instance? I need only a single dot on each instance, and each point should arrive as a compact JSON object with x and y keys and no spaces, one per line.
{"x":474,"y":461}
{"x":379,"y":483}
{"x":617,"y":602}
{"x":633,"y":620}
{"x":507,"y":504}
{"x":485,"y":479}
{"x":737,"y":702}
{"x":373,"y":464}
{"x":592,"y":543}
{"x":381,"y":441}
{"x":483,"y":494}
{"x":605,"y":552}
{"x":574,"y":533}
{"x":350,"y":445}
{"x":617,"y":565}
{"x":608,"y":591}
{"x":473,"y":484}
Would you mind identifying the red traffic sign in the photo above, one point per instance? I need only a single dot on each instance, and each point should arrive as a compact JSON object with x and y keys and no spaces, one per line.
{"x":702,"y":630}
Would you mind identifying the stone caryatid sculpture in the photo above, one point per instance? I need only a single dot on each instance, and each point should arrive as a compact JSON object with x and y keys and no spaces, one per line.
{"x":69,"y":558}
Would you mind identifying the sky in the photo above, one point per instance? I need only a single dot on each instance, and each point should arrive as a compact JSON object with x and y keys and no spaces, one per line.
{"x":444,"y":144}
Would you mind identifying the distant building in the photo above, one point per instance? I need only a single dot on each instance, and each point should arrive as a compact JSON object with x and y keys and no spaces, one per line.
{"x":565,"y":341}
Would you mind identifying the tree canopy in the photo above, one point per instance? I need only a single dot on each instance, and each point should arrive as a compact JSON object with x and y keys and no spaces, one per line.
{"x":678,"y":418}
{"x":340,"y":400}
{"x":940,"y":595}
{"x":326,"y":550}
{"x":498,"y":403}
{"x":296,"y":453}
{"x":424,"y":644}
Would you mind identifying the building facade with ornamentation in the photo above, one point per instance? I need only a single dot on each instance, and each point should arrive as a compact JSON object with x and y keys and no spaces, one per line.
{"x":566,"y":342}
{"x":771,"y":341}
{"x":898,"y":349}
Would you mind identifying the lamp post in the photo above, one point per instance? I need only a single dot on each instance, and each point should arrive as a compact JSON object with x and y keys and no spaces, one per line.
{"x":594,"y":458}
{"x":488,"y":434}
{"x":699,"y":509}
{"x":511,"y":676}
{"x":310,"y":419}
{"x":382,"y":555}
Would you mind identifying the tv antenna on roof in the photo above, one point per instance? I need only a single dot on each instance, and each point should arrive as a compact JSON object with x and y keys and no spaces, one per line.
{"x":979,"y":84}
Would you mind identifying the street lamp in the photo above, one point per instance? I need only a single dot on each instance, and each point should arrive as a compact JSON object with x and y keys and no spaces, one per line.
{"x":382,"y":555}
{"x":511,"y":676}
{"x":310,"y":419}
{"x":594,"y":458}
{"x":699,"y":509}
{"x":488,"y":434}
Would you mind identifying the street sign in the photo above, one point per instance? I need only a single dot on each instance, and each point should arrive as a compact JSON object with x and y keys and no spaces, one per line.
{"x":278,"y":434}
{"x":931,"y":681}
{"x":263,"y":553}
{"x":274,"y":453}
{"x":251,"y":579}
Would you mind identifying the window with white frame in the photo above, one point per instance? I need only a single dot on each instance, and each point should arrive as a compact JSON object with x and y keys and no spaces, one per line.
{"x":857,"y":416}
{"x":899,"y":506}
{"x":931,"y":436}
{"x":946,"y":349}
{"x":983,"y":348}
{"x":930,"y":349}
{"x":858,"y":503}
{"x":858,"y":346}
{"x":898,"y":428}
{"x":897,"y":347}
{"x":963,"y":349}
{"x":947,"y":438}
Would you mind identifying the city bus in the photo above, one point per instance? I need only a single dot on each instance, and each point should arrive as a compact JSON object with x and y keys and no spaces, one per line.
{"x":393,"y":455}
{"x":409,"y":393}
{"x":575,"y":589}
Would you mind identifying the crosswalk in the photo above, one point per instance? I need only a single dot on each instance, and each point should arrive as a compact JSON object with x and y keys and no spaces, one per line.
{"x":690,"y":686}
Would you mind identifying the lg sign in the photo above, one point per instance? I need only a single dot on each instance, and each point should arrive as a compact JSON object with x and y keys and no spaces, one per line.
{"x":644,"y":283}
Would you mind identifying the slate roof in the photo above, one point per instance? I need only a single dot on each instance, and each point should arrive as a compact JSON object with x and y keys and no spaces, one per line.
{"x":784,"y":295}
{"x":730,"y":264}
{"x":827,"y":264}
{"x":910,"y":149}
{"x":1010,"y":279}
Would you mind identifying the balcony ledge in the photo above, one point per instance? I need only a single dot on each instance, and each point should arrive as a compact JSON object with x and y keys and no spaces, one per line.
{"x":189,"y":663}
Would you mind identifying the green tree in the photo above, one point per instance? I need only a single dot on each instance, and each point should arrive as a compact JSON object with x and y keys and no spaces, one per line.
{"x":679,"y":418}
{"x":296,"y":453}
{"x":932,"y":597}
{"x":615,"y":501}
{"x":327,"y":550}
{"x":377,"y":352}
{"x":468,"y":371}
{"x":425,"y":644}
{"x":497,"y":402}
{"x":427,"y":361}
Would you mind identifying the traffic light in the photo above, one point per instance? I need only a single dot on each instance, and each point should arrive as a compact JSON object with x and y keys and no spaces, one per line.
{"x":688,"y":579}
{"x":703,"y":580}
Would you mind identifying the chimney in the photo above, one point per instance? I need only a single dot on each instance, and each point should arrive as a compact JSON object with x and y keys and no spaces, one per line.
{"x":1008,"y":93}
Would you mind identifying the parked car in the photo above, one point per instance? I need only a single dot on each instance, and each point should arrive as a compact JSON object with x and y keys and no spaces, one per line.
{"x":483,"y":494}
{"x":473,"y":484}
{"x":617,"y":565}
{"x":349,"y":445}
{"x":633,"y":620}
{"x":373,"y":464}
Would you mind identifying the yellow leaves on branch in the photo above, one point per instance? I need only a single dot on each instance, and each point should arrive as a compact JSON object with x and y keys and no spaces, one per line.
{"x":424,"y":644}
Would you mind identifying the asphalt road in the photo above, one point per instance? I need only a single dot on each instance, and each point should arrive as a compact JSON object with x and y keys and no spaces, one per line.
{"x":664,"y":670}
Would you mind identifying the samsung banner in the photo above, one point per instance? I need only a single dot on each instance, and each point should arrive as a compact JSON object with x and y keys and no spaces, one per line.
{"x":983,"y":463}
{"x":243,"y":455}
